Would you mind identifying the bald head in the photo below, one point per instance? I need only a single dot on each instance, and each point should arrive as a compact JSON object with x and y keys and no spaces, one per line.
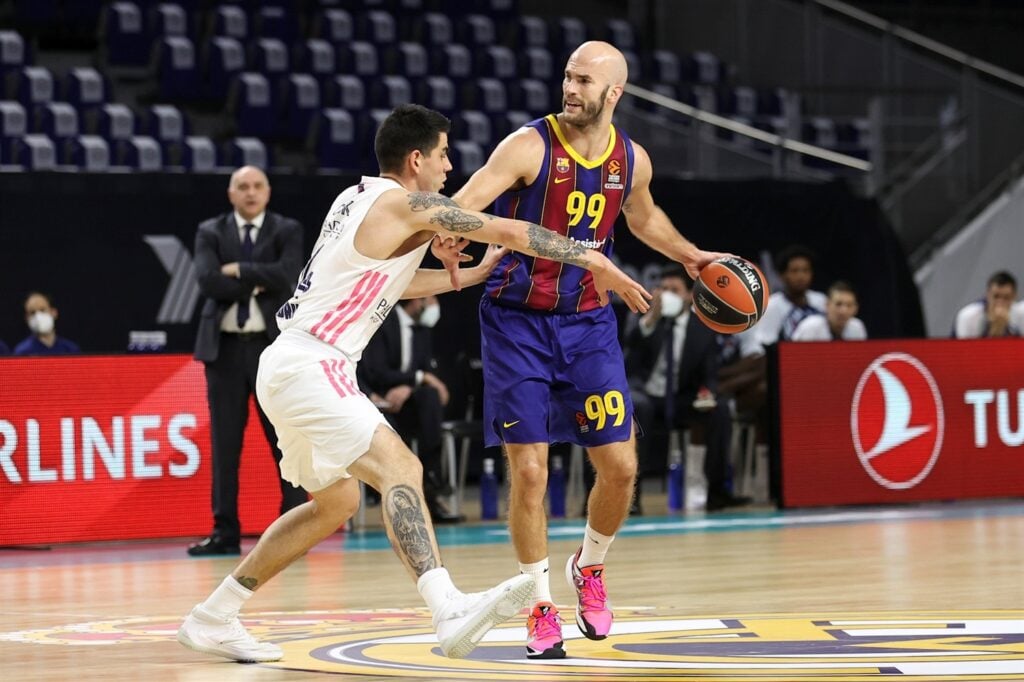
{"x":249,"y":191}
{"x":603,"y":60}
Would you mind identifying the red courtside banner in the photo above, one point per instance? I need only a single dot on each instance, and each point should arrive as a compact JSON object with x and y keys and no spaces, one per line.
{"x":111,"y":448}
{"x":901,"y":421}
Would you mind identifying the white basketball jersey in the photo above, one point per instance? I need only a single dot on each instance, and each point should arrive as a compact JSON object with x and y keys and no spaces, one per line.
{"x":342,"y":296}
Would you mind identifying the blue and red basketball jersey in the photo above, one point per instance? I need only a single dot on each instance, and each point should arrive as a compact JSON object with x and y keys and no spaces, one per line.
{"x":576,"y":198}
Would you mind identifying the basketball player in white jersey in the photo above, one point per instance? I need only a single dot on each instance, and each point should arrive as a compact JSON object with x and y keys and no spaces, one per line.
{"x":364,"y":261}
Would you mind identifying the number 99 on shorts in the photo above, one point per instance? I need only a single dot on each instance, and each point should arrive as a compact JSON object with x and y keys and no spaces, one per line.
{"x":600,"y":407}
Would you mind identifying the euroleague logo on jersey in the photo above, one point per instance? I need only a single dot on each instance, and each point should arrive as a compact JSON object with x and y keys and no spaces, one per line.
{"x":897,"y":421}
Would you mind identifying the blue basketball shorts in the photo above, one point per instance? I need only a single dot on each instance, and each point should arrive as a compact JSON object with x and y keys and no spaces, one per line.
{"x":553,"y":378}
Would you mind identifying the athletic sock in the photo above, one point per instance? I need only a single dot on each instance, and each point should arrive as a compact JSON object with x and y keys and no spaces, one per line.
{"x":226,"y":601}
{"x":539,"y":570}
{"x":595,"y":547}
{"x":436,"y":588}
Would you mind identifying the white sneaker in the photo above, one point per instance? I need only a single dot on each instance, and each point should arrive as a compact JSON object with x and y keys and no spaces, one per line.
{"x":204,"y":632}
{"x":463,"y":621}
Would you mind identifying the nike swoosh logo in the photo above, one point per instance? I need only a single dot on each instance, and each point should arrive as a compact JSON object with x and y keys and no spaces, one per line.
{"x":509,"y":425}
{"x":561,"y":180}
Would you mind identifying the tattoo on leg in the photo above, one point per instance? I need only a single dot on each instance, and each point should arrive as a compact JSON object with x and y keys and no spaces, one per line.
{"x":410,"y":528}
{"x":554,"y":246}
{"x":421,"y":201}
{"x":247,"y":582}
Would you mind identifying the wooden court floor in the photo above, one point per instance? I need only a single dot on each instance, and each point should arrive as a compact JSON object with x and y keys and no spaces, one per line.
{"x":918,"y":593}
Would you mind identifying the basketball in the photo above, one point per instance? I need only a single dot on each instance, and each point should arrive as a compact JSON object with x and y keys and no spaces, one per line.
{"x":730,"y":295}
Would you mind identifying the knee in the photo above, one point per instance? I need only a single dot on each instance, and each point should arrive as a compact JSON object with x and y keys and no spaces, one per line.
{"x":529,"y":479}
{"x":620,"y":471}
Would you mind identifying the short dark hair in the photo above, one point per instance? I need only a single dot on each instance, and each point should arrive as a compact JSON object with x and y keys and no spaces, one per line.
{"x":49,"y":299}
{"x":677,"y":270}
{"x":410,"y":127}
{"x":1001,"y":279}
{"x":784,"y":257}
{"x":841,"y":286}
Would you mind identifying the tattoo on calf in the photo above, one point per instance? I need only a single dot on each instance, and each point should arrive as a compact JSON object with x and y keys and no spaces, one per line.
{"x":421,"y":201}
{"x":456,"y":220}
{"x":554,"y":246}
{"x":410,"y":528}
{"x":247,"y":582}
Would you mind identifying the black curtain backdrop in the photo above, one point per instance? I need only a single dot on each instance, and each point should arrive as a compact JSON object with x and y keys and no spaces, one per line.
{"x":79,"y":237}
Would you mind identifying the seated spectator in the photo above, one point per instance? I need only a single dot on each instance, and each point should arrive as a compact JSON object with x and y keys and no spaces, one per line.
{"x":672,"y":365}
{"x":796,"y":301}
{"x":4,"y":349}
{"x":840,"y":321}
{"x":994,"y":315}
{"x":41,"y":317}
{"x":397,"y":372}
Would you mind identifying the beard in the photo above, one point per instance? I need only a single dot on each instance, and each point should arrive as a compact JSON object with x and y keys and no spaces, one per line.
{"x":591,"y":112}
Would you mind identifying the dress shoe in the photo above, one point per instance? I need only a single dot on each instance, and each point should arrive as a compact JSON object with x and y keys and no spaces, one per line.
{"x":214,"y":546}
{"x":720,"y":501}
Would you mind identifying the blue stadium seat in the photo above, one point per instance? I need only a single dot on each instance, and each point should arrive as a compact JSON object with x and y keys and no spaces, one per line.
{"x":820,"y":131}
{"x":738,"y":101}
{"x":619,"y":33}
{"x":85,"y":88}
{"x":247,"y":151}
{"x":531,"y":32}
{"x":88,"y":153}
{"x":115,"y":122}
{"x":301,"y":102}
{"x":634,"y":65}
{"x":473,"y":126}
{"x":530,"y":95}
{"x":567,"y":33}
{"x":508,"y":122}
{"x":346,"y":92}
{"x":335,"y":140}
{"x":466,"y":157}
{"x":166,"y":123}
{"x":390,"y":91}
{"x":367,"y":124}
{"x":178,"y":70}
{"x":168,"y":19}
{"x":13,"y":124}
{"x":57,"y":120}
{"x":199,"y":155}
{"x":536,"y":62}
{"x":454,"y":61}
{"x":13,"y":53}
{"x":358,"y":58}
{"x":407,"y":59}
{"x":432,"y":28}
{"x":663,"y":67}
{"x":488,"y":95}
{"x":270,"y":57}
{"x":35,"y":86}
{"x":335,"y":26}
{"x":124,"y":35}
{"x":496,"y":61}
{"x":437,"y":92}
{"x":35,"y":152}
{"x":230,"y":21}
{"x":276,"y":22}
{"x":141,"y":153}
{"x":251,"y":99}
{"x":316,"y":56}
{"x":704,"y":67}
{"x":377,"y":27}
{"x":225,"y":59}
{"x":476,"y":30}
{"x":855,"y":137}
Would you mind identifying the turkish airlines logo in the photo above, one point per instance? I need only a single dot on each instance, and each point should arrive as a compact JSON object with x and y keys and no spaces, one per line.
{"x":897,"y":421}
{"x":179,"y":302}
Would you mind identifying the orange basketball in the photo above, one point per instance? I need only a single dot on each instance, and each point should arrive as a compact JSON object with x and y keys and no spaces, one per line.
{"x":730,"y":295}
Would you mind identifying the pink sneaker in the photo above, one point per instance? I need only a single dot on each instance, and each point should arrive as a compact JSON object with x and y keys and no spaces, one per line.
{"x":593,"y":613}
{"x":544,"y":632}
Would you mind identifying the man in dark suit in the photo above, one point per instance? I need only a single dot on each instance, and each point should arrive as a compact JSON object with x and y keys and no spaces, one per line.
{"x":680,"y":388}
{"x":247,"y":263}
{"x":398,"y":372}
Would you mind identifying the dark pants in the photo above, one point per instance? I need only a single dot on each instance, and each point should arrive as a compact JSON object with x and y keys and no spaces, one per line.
{"x":420,"y":418}
{"x":230,"y":380}
{"x":716,"y":425}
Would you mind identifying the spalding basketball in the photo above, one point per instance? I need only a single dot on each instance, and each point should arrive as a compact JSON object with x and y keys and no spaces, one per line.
{"x":730,"y":295}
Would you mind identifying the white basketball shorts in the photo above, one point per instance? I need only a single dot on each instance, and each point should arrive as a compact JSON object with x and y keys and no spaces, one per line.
{"x":323,"y":422}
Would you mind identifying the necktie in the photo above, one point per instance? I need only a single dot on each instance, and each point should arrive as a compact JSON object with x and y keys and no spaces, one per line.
{"x":243,"y":306}
{"x":668,"y":346}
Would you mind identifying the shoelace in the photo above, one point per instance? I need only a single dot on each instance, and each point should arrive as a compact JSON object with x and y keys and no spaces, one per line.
{"x":239,"y":635}
{"x":547,"y":625}
{"x":592,"y":592}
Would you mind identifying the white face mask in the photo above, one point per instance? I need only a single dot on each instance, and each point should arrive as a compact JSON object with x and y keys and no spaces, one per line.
{"x":41,"y":323}
{"x":671,"y":304}
{"x":430,"y":315}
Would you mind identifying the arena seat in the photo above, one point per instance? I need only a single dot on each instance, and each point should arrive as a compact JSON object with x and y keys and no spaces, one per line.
{"x":230,"y":21}
{"x":13,"y":53}
{"x":88,"y":153}
{"x":567,"y":33}
{"x":85,"y":88}
{"x":437,"y":92}
{"x":334,"y":140}
{"x":13,"y":124}
{"x":358,"y":58}
{"x":225,"y":59}
{"x":407,"y":59}
{"x":168,"y":19}
{"x":34,"y":152}
{"x":270,"y":57}
{"x":390,"y":91}
{"x":508,"y":122}
{"x":246,"y":151}
{"x":432,"y":28}
{"x":663,"y":67}
{"x":316,"y":57}
{"x":474,"y":126}
{"x":466,"y":157}
{"x":178,"y":70}
{"x":454,"y":61}
{"x":199,"y":155}
{"x":476,"y":30}
{"x":141,"y":153}
{"x":35,"y":86}
{"x":488,"y":95}
{"x":166,"y":123}
{"x":276,"y":22}
{"x":536,"y":62}
{"x":347,"y":92}
{"x":531,"y":31}
{"x":619,"y":33}
{"x":334,"y":25}
{"x":301,"y":102}
{"x":251,"y":99}
{"x":124,"y":36}
{"x":496,"y":61}
{"x":115,"y":122}
{"x":57,"y":120}
{"x":530,"y":95}
{"x":377,"y":27}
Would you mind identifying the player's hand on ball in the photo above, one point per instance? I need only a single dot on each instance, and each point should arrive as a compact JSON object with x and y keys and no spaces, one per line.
{"x":700,"y":259}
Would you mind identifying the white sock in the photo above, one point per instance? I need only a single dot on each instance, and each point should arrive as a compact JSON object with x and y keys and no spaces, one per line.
{"x":595,"y":547}
{"x":436,"y":588}
{"x":227,"y":600}
{"x":539,"y":570}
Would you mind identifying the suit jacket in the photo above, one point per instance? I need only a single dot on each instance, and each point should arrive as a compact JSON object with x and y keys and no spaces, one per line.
{"x":276,"y":261}
{"x":379,"y":369}
{"x":698,"y":364}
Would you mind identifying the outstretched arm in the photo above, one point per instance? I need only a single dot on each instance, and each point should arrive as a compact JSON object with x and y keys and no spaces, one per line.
{"x":431,"y":281}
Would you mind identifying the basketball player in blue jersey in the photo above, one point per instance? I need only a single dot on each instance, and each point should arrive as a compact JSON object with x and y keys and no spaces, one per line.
{"x":553,"y":369}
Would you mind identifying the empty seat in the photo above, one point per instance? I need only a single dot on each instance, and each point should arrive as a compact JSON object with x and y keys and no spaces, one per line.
{"x":89,"y":153}
{"x":488,"y":94}
{"x":476,"y":30}
{"x":508,"y":122}
{"x":855,"y":137}
{"x":302,"y":101}
{"x":390,"y":91}
{"x":820,"y":131}
{"x":225,"y":59}
{"x":473,"y":126}
{"x":166,"y":123}
{"x":58,"y":120}
{"x":276,"y":22}
{"x":634,"y":65}
{"x":532,"y":32}
{"x":619,"y":33}
{"x":270,"y":56}
{"x":13,"y":55}
{"x":178,"y":70}
{"x":335,"y":26}
{"x":85,"y":88}
{"x":199,"y":154}
{"x":115,"y":122}
{"x":530,"y":95}
{"x":247,"y":151}
{"x":316,"y":56}
{"x":377,"y":27}
{"x":230,"y":21}
{"x":347,"y":92}
{"x":466,"y":157}
{"x":168,"y":19}
{"x":140,"y":152}
{"x":663,"y":67}
{"x":13,"y":124}
{"x":35,"y":86}
{"x":437,"y":92}
{"x":738,"y":101}
{"x":252,"y":102}
{"x":704,"y":67}
{"x":35,"y":152}
{"x":454,"y":61}
{"x":536,"y":62}
{"x":335,"y":140}
{"x":432,"y":28}
{"x":124,"y":35}
{"x":366,"y":129}
{"x":408,"y":59}
{"x":358,"y":58}
{"x":496,"y":61}
{"x":567,"y":33}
